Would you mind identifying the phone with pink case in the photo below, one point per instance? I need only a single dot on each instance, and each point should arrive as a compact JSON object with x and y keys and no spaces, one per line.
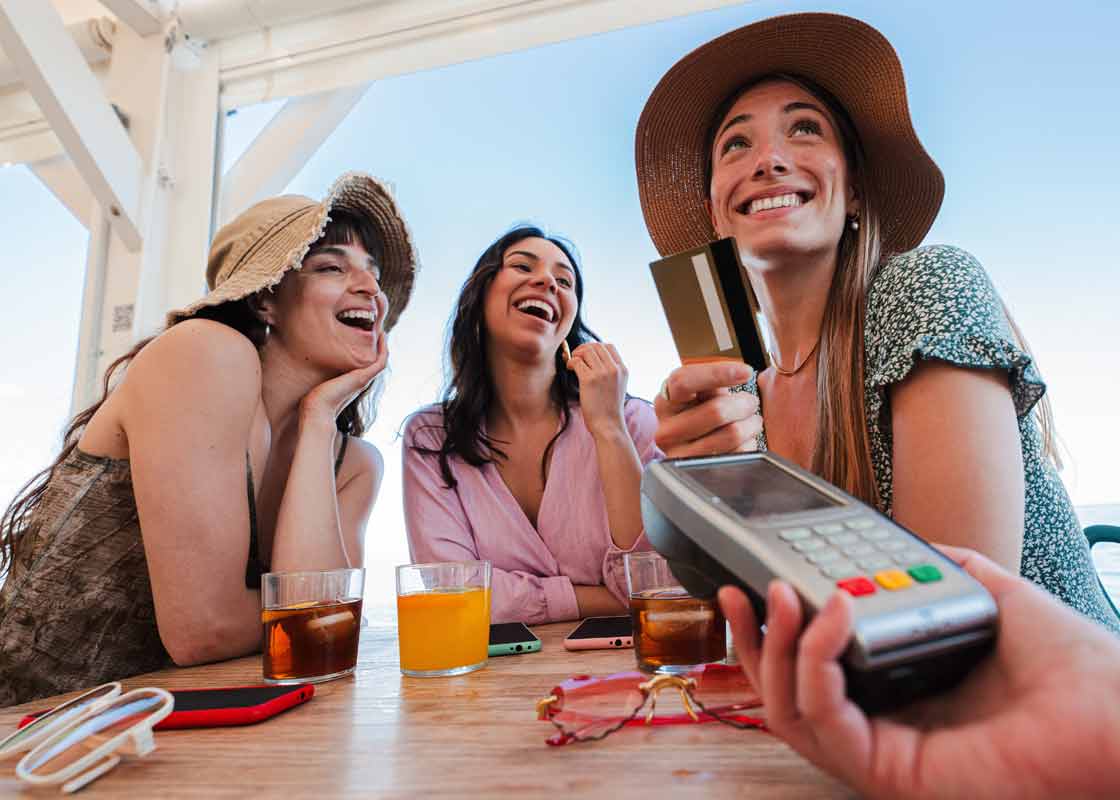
{"x":601,"y":633}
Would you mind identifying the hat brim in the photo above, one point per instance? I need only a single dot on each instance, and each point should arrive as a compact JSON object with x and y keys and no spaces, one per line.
{"x":846,"y":57}
{"x":355,"y":192}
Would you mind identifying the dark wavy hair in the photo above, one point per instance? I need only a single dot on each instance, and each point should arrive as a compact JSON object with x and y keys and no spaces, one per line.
{"x":355,"y":419}
{"x":469,"y":386}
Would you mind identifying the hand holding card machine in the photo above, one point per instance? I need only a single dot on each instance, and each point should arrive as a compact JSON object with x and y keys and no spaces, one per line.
{"x":710,"y":306}
{"x":920,"y":622}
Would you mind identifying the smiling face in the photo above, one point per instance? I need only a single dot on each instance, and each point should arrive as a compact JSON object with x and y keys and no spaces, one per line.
{"x":779,"y":182}
{"x":329,"y":312}
{"x":531,"y":302}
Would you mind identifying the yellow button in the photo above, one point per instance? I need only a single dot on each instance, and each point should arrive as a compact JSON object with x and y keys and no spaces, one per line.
{"x":893,"y":579}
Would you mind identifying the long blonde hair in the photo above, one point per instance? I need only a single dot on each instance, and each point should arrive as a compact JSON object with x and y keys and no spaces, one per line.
{"x":842,"y":450}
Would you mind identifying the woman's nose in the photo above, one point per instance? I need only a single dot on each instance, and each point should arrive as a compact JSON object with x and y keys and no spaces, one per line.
{"x":770,"y":160}
{"x":545,"y":280}
{"x":366,"y":283}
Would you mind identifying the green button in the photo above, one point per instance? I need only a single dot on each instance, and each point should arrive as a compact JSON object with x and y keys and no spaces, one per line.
{"x":925,"y":573}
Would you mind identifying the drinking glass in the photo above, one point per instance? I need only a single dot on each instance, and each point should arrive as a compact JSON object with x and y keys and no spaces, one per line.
{"x":311,"y":624}
{"x":673,"y":631}
{"x":443,"y":617}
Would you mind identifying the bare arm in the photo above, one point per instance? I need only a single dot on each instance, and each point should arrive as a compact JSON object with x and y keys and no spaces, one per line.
{"x":602,"y":388}
{"x":958,"y":465}
{"x":597,"y":601}
{"x":187,"y":407}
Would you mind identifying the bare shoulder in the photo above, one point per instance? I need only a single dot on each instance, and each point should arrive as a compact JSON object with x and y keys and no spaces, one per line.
{"x":199,"y":364}
{"x":362,"y":459}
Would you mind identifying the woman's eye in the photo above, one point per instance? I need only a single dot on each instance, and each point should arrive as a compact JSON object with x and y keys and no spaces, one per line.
{"x":522,"y":267}
{"x":329,"y":268}
{"x":734,"y":143}
{"x":567,"y":284}
{"x":806,"y":126}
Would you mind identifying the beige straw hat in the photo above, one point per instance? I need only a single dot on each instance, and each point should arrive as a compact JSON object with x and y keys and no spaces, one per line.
{"x":846,"y":57}
{"x":262,"y":243}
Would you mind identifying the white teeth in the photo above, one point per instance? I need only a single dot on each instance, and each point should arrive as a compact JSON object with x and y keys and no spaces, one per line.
{"x":781,"y":201}
{"x":521,"y":305}
{"x":358,"y":314}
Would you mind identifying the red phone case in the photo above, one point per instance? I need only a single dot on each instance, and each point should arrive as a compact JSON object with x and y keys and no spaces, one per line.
{"x":222,"y":717}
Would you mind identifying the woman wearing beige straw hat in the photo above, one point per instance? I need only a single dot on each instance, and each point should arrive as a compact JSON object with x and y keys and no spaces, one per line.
{"x":230,"y":446}
{"x":896,"y":372}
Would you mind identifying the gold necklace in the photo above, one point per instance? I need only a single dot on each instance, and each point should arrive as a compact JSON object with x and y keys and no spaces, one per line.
{"x":790,"y":372}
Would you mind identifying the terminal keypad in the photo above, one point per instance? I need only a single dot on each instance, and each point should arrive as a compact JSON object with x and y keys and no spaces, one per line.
{"x":862,"y":556}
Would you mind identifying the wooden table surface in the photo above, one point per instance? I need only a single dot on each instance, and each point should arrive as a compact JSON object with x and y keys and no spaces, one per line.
{"x":381,"y":734}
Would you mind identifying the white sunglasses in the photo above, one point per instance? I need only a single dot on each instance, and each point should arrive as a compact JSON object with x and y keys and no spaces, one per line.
{"x":76,"y":743}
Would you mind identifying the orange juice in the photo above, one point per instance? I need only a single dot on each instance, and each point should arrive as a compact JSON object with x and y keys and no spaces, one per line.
{"x":443,"y":629}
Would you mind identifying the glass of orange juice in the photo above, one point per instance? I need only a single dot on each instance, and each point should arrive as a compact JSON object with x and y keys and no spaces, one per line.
{"x":443,"y":617}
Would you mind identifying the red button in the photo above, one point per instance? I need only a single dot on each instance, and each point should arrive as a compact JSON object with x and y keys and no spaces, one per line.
{"x":857,"y":586}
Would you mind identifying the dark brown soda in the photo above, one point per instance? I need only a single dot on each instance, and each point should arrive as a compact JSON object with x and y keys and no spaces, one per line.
{"x":673,"y":629}
{"x":311,"y":640}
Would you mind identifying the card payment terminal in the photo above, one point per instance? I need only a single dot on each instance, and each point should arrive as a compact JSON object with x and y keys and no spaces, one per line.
{"x":920,"y":622}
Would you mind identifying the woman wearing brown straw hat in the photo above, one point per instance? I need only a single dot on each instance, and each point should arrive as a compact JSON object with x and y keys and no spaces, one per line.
{"x":230,"y":446}
{"x":897,"y":373}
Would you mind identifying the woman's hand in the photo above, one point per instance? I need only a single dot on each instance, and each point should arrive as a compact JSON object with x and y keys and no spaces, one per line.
{"x":327,"y":400}
{"x":698,"y":415}
{"x":1036,"y":719}
{"x":602,"y":385}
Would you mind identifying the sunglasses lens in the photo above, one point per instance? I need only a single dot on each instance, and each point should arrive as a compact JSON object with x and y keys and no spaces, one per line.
{"x":591,"y":711}
{"x":79,"y":738}
{"x":722,"y":688}
{"x":22,"y":739}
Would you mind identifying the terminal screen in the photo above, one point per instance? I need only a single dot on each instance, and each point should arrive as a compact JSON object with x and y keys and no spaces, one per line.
{"x":757,"y":488}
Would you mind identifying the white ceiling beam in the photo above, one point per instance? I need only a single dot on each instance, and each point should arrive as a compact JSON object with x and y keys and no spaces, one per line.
{"x":283,"y":148}
{"x":71,"y":100}
{"x":395,"y":37}
{"x":61,"y":176}
{"x":146,"y":17}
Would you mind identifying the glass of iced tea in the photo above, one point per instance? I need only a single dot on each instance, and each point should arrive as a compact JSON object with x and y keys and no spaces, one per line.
{"x":673,"y":631}
{"x":311,"y":624}
{"x":443,"y":617}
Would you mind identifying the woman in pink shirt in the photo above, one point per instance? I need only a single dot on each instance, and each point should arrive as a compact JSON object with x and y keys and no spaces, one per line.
{"x":530,"y":461}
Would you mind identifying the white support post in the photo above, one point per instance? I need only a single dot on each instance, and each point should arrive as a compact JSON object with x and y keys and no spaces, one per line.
{"x":54,"y":70}
{"x":61,"y":176}
{"x":146,"y":17}
{"x":137,"y":82}
{"x":282,"y":149}
{"x":86,"y":377}
{"x":186,"y":178}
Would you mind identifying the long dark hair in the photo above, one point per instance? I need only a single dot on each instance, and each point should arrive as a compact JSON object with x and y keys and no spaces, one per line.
{"x":469,"y":386}
{"x":19,"y":517}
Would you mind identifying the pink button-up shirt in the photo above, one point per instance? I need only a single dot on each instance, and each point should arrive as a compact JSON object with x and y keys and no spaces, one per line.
{"x":533,"y":570}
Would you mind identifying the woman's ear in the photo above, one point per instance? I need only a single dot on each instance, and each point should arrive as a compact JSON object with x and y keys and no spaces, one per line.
{"x":852,"y":206}
{"x":263,"y":306}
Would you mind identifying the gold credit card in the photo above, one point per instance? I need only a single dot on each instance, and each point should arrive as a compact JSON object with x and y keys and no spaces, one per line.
{"x":710,"y":306}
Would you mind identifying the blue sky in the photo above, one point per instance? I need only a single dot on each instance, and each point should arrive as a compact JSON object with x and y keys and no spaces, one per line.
{"x":1016,"y":101}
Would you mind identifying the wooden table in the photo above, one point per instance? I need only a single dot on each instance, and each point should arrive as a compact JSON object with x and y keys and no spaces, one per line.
{"x":380,"y":734}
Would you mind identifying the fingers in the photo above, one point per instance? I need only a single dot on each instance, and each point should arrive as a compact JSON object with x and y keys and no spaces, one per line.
{"x":993,"y":577}
{"x":724,"y":423}
{"x":777,"y":669}
{"x":688,"y":383}
{"x":744,"y":631}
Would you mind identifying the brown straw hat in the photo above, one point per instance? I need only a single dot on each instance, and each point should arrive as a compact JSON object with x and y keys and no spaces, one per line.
{"x":846,"y":57}
{"x":256,"y":249}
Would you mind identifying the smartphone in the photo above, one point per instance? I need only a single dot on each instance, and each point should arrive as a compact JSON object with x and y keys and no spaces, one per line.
{"x":511,"y":638}
{"x":601,"y":633}
{"x":215,"y":708}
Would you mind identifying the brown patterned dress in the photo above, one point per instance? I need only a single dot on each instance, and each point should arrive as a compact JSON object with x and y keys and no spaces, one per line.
{"x":76,"y":609}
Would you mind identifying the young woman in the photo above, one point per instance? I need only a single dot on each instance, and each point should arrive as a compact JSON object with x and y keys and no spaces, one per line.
{"x":229,"y":447}
{"x":531,"y":461}
{"x":897,"y":373}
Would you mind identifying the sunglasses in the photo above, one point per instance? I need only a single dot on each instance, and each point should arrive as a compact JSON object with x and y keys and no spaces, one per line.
{"x":586,"y":709}
{"x":77,"y":742}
